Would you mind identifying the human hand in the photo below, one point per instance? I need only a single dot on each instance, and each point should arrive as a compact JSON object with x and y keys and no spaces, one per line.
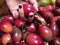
{"x":14,"y":5}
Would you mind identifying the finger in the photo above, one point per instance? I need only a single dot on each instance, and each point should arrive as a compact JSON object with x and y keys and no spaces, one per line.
{"x":15,"y":14}
{"x":40,"y":19}
{"x":21,"y":12}
{"x":35,"y":4}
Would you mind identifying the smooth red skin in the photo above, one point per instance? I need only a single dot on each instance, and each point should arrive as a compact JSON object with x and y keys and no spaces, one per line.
{"x":55,"y":19}
{"x":45,"y":32}
{"x":58,"y":3}
{"x":18,"y":22}
{"x":50,"y":8}
{"x":16,"y":38}
{"x":48,"y":16}
{"x":34,"y":39}
{"x":28,"y":8}
{"x":31,"y":28}
{"x":6,"y":27}
{"x":22,"y":43}
{"x":16,"y":35}
{"x":42,"y":10}
{"x":9,"y":18}
{"x":6,"y":38}
{"x":54,"y":28}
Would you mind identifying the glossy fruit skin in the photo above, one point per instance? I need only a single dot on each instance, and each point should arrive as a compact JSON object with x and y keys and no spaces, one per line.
{"x":6,"y":38}
{"x":50,"y":8}
{"x":9,"y":18}
{"x":48,"y":16}
{"x":44,"y":2}
{"x":34,"y":39}
{"x":28,"y":8}
{"x":16,"y":35}
{"x":6,"y":27}
{"x":42,"y":10}
{"x":18,"y":22}
{"x":29,"y":12}
{"x":45,"y":32}
{"x":31,"y":27}
{"x":54,"y":28}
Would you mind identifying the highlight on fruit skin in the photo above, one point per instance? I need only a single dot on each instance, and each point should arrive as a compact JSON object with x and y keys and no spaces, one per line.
{"x":34,"y":39}
{"x":9,"y":18}
{"x":6,"y":38}
{"x":16,"y":35}
{"x":45,"y":32}
{"x":31,"y":27}
{"x":35,"y":28}
{"x":6,"y":27}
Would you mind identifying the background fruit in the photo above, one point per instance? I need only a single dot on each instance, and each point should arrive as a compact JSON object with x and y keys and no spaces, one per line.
{"x":54,"y":28}
{"x":44,"y":2}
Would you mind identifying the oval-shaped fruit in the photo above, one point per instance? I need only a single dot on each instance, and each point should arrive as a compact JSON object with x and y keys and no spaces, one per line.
{"x":54,"y":29}
{"x":50,"y":8}
{"x":48,"y":16}
{"x":16,"y":35}
{"x":34,"y":39}
{"x":6,"y":38}
{"x":44,"y":2}
{"x":31,"y":27}
{"x":18,"y":22}
{"x":42,"y":10}
{"x":28,"y":8}
{"x":6,"y":27}
{"x":45,"y":32}
{"x":9,"y":18}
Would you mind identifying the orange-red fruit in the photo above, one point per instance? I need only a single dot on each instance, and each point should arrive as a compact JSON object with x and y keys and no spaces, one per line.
{"x":6,"y":27}
{"x":6,"y":38}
